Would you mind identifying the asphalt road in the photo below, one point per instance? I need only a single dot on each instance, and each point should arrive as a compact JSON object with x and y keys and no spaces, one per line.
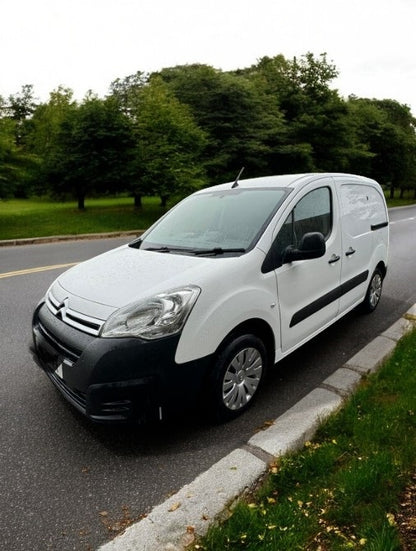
{"x":65,"y":483}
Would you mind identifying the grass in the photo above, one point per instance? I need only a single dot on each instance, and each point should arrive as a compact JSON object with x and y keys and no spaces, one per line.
{"x":40,"y":217}
{"x":341,"y":491}
{"x":397,"y":201}
{"x":21,"y":218}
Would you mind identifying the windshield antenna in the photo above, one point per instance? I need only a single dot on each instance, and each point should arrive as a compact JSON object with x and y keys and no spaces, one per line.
{"x":235,"y":184}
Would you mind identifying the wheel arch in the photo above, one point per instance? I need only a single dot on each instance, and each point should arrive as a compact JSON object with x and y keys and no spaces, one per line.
{"x":257,"y":327}
{"x":373,"y":294}
{"x":382,"y":267}
{"x":252,"y":332}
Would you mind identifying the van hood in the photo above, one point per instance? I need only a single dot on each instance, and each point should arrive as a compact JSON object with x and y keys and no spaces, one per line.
{"x":107,"y":282}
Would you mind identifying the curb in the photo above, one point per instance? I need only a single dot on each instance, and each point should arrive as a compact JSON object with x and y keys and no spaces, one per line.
{"x":174,"y":524}
{"x":75,"y":237}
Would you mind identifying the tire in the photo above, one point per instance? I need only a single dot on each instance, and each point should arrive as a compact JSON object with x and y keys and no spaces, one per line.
{"x":373,"y":295}
{"x":238,"y":374}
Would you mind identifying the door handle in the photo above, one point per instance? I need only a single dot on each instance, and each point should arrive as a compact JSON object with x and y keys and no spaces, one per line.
{"x":334,"y":258}
{"x":350,"y":252}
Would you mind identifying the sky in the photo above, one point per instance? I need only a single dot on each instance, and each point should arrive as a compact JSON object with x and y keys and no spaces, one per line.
{"x":86,"y":44}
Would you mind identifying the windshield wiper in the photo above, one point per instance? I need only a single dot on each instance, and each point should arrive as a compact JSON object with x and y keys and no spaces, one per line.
{"x":218,"y":250}
{"x":167,"y":249}
{"x":158,"y":249}
{"x":137,"y":244}
{"x":198,"y":252}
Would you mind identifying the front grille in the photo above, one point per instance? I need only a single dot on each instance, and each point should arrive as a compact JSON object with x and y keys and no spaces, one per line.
{"x":53,"y":354}
{"x":71,"y":317}
{"x":61,"y":349}
{"x":116,"y":407}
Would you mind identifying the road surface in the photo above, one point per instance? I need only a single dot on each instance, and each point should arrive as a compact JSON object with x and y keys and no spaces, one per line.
{"x":66,"y":484}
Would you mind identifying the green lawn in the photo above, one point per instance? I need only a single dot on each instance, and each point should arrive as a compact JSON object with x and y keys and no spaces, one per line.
{"x":40,"y":217}
{"x":342,"y":491}
{"x":21,"y":218}
{"x":407,"y":199}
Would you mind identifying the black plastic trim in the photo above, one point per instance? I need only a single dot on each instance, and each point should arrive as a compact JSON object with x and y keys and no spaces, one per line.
{"x":64,"y":335}
{"x":375,"y":227}
{"x":326,"y":299}
{"x":120,"y":379}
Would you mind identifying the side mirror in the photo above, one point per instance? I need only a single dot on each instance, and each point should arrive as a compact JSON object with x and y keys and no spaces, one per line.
{"x":312,"y":245}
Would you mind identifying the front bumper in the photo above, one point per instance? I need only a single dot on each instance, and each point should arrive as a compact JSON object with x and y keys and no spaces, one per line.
{"x":113,"y":380}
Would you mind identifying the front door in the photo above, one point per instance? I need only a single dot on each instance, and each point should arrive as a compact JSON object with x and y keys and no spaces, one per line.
{"x":308,"y":289}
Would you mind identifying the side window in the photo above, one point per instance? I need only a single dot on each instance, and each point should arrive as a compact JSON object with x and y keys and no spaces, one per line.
{"x":362,"y":206}
{"x":284,"y":238}
{"x":313,"y":213}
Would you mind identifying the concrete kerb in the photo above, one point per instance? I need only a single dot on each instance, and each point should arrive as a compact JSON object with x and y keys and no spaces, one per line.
{"x":411,"y":314}
{"x":297,"y":425}
{"x":56,"y":238}
{"x":174,"y":524}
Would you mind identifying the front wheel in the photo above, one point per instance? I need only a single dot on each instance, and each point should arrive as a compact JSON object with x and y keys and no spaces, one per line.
{"x":372,"y":298}
{"x":238,"y":373}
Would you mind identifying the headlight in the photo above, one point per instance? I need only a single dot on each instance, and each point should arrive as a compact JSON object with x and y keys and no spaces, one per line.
{"x":159,"y":316}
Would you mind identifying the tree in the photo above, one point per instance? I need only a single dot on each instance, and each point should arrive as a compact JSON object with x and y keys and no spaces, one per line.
{"x":126,"y":91}
{"x":241,"y":121}
{"x":400,"y":133}
{"x":45,"y":129}
{"x":21,"y":107}
{"x":168,"y":144}
{"x":317,"y":118}
{"x":93,"y":150}
{"x":9,"y":159}
{"x":47,"y":119}
{"x":17,"y":164}
{"x":274,"y":77}
{"x":387,"y":129}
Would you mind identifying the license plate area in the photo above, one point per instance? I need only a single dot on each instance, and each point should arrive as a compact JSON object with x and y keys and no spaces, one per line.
{"x":51,"y":359}
{"x":59,"y":371}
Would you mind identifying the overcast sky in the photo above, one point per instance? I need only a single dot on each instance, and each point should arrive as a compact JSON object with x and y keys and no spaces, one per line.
{"x":86,"y":44}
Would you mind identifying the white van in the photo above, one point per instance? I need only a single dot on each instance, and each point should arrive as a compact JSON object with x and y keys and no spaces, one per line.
{"x":227,"y":283}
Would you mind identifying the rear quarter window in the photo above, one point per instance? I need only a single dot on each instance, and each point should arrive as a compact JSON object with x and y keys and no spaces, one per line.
{"x":362,"y":207}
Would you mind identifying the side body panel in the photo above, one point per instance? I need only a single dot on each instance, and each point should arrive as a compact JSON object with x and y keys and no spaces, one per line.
{"x":364,"y":236}
{"x":299,"y":299}
{"x":230,"y":296}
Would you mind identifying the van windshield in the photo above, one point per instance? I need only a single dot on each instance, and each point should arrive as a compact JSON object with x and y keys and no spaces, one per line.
{"x":216,"y":222}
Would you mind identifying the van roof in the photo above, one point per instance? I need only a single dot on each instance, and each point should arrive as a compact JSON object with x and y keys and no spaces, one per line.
{"x":289,"y":180}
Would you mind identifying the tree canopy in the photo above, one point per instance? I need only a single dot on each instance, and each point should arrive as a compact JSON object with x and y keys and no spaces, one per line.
{"x":188,"y":126}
